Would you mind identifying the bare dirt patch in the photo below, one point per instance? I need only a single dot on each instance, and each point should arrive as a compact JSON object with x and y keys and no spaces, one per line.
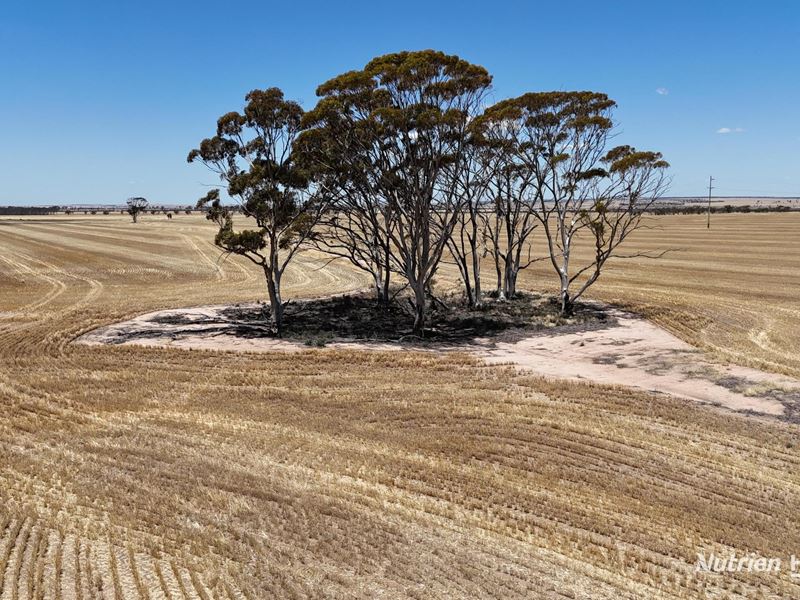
{"x":598,"y":344}
{"x":634,"y":352}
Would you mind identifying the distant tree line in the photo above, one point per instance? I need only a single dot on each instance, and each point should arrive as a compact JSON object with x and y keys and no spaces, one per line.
{"x":696,"y":209}
{"x":29,"y":210}
{"x":402,"y":166}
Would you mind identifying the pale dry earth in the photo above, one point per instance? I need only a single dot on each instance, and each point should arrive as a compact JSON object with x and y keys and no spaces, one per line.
{"x":130,"y":472}
{"x":629,"y":351}
{"x":636,"y":353}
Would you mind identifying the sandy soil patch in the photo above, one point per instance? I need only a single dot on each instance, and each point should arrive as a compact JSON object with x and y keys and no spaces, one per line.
{"x":625,"y":350}
{"x":634,"y":352}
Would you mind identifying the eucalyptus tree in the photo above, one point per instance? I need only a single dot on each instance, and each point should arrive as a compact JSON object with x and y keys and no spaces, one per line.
{"x":135,"y":206}
{"x":582,"y":188}
{"x":252,"y":153}
{"x":392,"y":135}
{"x":338,"y":149}
{"x":509,"y":215}
{"x":467,"y":244}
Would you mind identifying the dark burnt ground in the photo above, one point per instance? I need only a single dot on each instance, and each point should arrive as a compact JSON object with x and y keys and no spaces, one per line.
{"x":359,"y":317}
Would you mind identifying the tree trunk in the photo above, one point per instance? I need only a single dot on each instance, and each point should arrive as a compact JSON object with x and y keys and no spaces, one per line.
{"x":566,"y":300}
{"x":275,"y":303}
{"x":472,"y":238}
{"x":387,"y":276}
{"x":510,"y":280}
{"x":476,"y":277}
{"x":463,"y":267}
{"x":510,"y":286}
{"x":566,"y":304}
{"x":377,"y":282}
{"x":420,"y":304}
{"x":386,"y":281}
{"x":468,"y":291}
{"x":501,"y":294}
{"x":379,"y":275}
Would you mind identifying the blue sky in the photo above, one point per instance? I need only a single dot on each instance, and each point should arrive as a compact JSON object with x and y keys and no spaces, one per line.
{"x":103,"y":100}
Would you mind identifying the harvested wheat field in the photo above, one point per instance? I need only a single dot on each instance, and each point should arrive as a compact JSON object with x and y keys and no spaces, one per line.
{"x":130,"y":472}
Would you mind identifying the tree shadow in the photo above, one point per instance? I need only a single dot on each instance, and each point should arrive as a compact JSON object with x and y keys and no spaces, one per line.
{"x":357,"y":317}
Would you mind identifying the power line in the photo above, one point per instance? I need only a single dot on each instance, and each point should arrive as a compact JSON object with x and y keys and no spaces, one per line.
{"x":708,"y":218}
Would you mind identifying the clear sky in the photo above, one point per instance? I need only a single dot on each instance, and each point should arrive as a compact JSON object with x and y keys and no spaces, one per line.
{"x":100,"y":101}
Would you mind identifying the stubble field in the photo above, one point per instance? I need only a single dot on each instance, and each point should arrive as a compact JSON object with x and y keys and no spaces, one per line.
{"x":131,"y":472}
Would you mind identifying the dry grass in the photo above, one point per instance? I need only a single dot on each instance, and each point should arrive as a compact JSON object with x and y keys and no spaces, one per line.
{"x":133,"y":472}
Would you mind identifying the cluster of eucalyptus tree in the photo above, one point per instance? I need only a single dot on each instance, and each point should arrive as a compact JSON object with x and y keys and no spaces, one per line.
{"x":401,"y":167}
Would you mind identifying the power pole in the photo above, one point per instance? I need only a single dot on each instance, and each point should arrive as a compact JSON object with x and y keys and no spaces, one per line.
{"x":708,"y":219}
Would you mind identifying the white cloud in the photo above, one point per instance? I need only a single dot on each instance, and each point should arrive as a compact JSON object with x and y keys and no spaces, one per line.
{"x":662,"y":91}
{"x":730,"y":130}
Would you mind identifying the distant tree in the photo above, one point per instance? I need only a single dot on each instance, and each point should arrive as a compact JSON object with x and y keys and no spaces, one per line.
{"x":136,"y":206}
{"x":252,"y":154}
{"x":582,"y":189}
{"x":30,"y":210}
{"x":393,"y":135}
